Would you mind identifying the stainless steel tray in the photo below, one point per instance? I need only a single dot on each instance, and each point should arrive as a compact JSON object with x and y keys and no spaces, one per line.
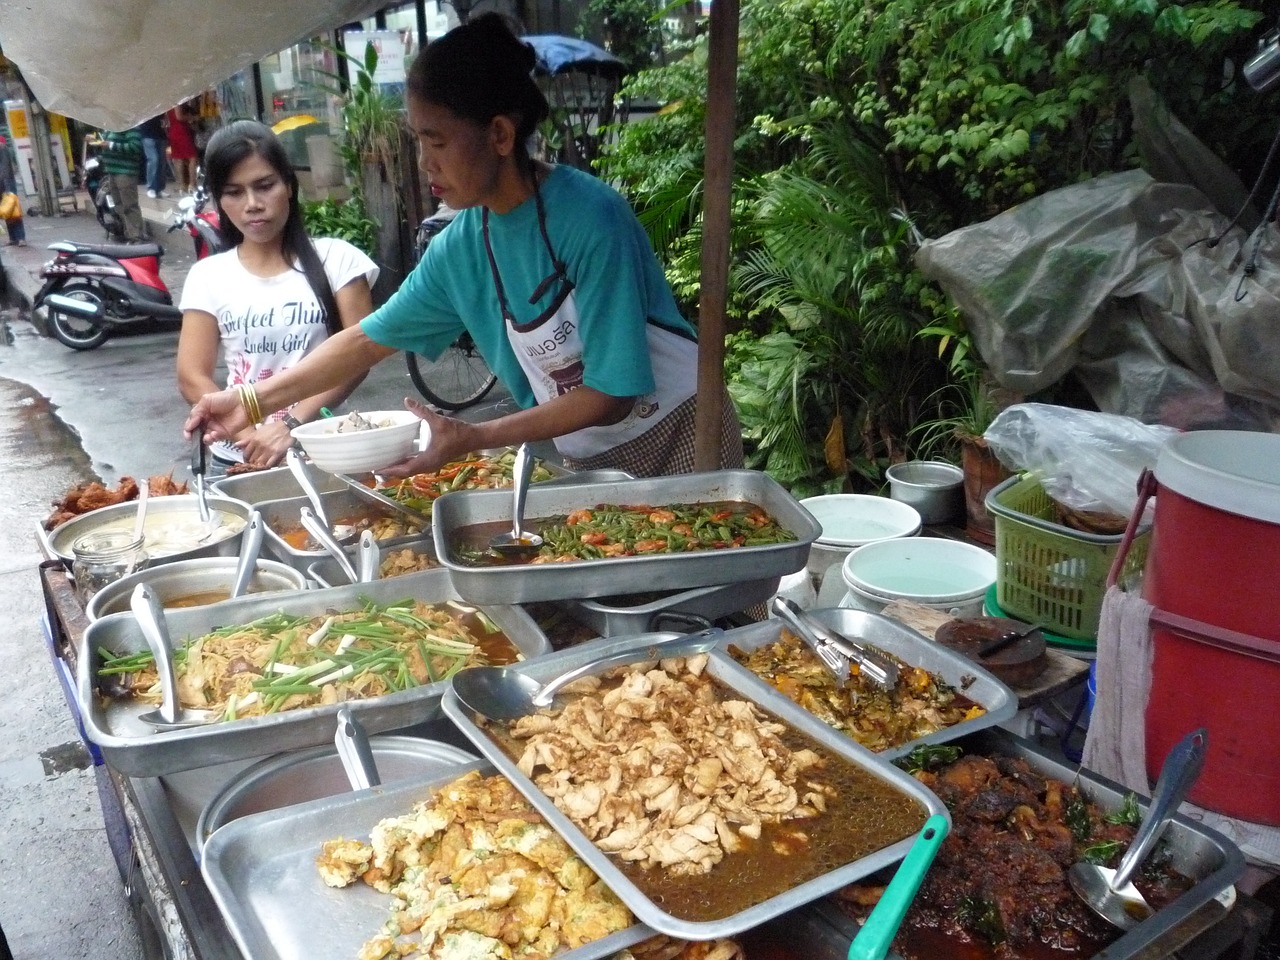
{"x":261,"y":871}
{"x":274,"y":484}
{"x":338,"y":503}
{"x":1196,"y":851}
{"x":327,"y":573}
{"x":645,"y":909}
{"x":614,"y":617}
{"x":906,"y":644}
{"x":136,"y":749}
{"x":609,"y":577}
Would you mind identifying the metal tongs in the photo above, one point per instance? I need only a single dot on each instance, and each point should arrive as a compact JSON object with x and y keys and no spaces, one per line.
{"x":834,"y":650}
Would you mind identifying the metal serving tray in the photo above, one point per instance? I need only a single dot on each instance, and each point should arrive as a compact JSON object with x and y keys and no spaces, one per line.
{"x":906,"y":644}
{"x":276,"y":483}
{"x":614,"y":617}
{"x":327,"y":573}
{"x":136,"y":749}
{"x":1196,"y":851}
{"x":545,"y":668}
{"x":610,"y":577}
{"x":261,"y":870}
{"x":337,"y":504}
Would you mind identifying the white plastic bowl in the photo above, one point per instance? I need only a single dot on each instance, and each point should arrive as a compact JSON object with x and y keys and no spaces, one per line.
{"x":361,"y":451}
{"x":850,"y":520}
{"x":942,"y":574}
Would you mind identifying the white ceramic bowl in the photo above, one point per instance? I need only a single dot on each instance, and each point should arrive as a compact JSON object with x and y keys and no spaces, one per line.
{"x":933,"y":571}
{"x":361,"y":451}
{"x":850,"y":520}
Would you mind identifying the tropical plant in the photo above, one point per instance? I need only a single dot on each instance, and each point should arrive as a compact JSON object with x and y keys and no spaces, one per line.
{"x":631,"y":29}
{"x":372,"y":117}
{"x":344,"y":219}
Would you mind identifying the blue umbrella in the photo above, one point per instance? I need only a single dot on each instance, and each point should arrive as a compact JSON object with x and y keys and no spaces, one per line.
{"x":557,"y":54}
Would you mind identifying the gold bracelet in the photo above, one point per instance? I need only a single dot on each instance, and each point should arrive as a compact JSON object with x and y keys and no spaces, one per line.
{"x":249,"y":402}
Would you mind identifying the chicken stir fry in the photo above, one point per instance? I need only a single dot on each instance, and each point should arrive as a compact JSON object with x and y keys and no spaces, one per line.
{"x":658,"y":770}
{"x":475,"y":872}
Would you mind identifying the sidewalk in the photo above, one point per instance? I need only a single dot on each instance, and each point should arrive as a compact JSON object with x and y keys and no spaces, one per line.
{"x":22,"y":264}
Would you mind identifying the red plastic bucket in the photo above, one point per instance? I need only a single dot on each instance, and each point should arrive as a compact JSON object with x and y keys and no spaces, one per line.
{"x":1213,"y":573}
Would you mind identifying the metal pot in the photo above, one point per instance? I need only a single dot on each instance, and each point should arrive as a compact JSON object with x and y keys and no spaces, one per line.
{"x":303,"y":775}
{"x":184,"y":505}
{"x":184,"y":578}
{"x":934,"y":488}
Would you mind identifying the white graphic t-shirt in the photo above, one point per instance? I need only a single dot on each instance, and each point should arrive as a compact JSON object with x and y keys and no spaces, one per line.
{"x":268,"y":324}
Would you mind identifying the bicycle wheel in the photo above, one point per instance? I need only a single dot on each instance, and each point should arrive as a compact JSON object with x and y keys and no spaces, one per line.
{"x":457,"y":379}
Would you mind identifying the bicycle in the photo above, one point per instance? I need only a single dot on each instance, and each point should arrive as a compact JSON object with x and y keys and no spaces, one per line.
{"x":459,"y":378}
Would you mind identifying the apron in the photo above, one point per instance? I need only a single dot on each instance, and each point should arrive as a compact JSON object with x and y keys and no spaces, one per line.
{"x":549,"y":350}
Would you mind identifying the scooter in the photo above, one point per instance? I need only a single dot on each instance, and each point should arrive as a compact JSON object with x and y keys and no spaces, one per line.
{"x":104,"y":204}
{"x":92,"y":289}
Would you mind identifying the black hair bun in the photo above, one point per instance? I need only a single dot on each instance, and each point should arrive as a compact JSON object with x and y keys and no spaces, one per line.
{"x":500,"y":43}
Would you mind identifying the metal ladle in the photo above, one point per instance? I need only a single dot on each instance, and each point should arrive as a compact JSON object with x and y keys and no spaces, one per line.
{"x":369,"y":557}
{"x":320,"y":533}
{"x":249,"y":547}
{"x":505,"y":693}
{"x":354,"y":751}
{"x":147,"y":608}
{"x":303,"y":477}
{"x":1111,"y":893}
{"x":517,"y":543}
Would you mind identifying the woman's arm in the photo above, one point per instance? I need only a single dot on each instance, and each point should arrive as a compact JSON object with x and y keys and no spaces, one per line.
{"x":266,"y":446}
{"x":198,"y":344}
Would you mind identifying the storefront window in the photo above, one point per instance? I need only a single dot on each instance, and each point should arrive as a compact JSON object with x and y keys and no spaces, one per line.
{"x":296,"y":100}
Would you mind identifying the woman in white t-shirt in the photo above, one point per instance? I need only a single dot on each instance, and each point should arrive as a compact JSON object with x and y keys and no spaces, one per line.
{"x":272,"y":297}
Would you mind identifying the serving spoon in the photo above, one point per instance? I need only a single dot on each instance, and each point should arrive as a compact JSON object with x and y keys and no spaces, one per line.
{"x":518,"y":543}
{"x":504,"y":693}
{"x":250,"y":545}
{"x":320,"y":533}
{"x":171,"y":715}
{"x":879,"y":929}
{"x":1111,"y":893}
{"x":355,"y":752}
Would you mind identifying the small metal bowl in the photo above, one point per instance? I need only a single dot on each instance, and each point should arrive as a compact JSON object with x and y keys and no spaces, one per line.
{"x":64,"y":535}
{"x":934,"y":488}
{"x":172,"y":581}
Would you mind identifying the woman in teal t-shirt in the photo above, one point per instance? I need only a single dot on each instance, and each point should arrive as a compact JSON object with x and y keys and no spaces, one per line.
{"x":548,"y":269}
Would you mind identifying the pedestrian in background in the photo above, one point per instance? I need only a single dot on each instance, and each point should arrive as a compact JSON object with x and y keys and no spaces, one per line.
{"x":182,"y":145}
{"x":122,"y":162}
{"x":154,"y":146}
{"x":9,"y":184}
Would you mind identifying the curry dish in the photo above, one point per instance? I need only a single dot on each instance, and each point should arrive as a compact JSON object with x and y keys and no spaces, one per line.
{"x":920,"y":703}
{"x":708,"y":804}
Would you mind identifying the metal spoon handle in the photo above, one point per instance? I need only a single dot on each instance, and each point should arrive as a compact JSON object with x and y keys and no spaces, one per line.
{"x":303,"y":476}
{"x":1181,"y":768}
{"x":369,"y":556}
{"x":320,"y":533}
{"x":521,"y":472}
{"x":198,"y":468}
{"x":645,"y":646}
{"x":146,"y":606}
{"x":249,"y":547}
{"x":354,"y":752}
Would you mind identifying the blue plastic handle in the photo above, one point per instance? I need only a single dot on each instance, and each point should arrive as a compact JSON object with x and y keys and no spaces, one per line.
{"x":876,"y":935}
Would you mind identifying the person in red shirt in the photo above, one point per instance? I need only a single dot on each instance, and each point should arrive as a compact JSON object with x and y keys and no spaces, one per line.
{"x":182,"y":145}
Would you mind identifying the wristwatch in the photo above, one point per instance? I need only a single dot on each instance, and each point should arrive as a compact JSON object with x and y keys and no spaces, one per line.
{"x":290,"y":421}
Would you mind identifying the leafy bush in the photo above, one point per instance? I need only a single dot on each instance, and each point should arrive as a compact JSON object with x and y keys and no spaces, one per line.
{"x":346,"y":220}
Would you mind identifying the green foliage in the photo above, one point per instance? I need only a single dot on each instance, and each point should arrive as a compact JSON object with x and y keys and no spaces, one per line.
{"x":371,"y":117}
{"x":346,"y":220}
{"x":631,"y":29}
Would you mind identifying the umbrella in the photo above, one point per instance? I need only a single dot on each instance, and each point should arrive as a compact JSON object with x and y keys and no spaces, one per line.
{"x":292,"y":123}
{"x":557,"y":54}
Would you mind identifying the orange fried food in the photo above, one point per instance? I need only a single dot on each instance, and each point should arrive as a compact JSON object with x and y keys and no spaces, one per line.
{"x":84,"y":497}
{"x":163,"y":485}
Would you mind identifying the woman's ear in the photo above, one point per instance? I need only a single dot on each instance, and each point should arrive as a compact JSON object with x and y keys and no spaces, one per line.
{"x":502,"y":135}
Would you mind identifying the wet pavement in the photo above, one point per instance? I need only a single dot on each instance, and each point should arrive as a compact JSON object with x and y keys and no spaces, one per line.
{"x":74,"y":416}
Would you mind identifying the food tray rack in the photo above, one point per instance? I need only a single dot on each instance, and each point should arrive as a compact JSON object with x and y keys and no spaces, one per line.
{"x":648,"y":912}
{"x":136,"y":749}
{"x":262,"y":874}
{"x":523,"y":583}
{"x":277,"y":514}
{"x":910,"y":646}
{"x":1048,"y":574}
{"x":614,"y":617}
{"x":1196,"y":851}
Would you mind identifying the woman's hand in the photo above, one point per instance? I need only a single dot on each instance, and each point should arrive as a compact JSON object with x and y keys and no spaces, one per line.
{"x":450,"y":439}
{"x":219,"y":415}
{"x":266,"y":446}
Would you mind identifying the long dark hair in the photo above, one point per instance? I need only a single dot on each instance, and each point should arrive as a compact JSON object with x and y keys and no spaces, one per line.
{"x":481,"y":70}
{"x":244,"y":138}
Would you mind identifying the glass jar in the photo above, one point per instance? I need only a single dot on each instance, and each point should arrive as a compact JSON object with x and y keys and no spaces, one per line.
{"x":103,"y":558}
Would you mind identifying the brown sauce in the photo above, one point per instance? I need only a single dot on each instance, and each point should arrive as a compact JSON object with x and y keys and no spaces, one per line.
{"x":869,"y":815}
{"x":198,"y":599}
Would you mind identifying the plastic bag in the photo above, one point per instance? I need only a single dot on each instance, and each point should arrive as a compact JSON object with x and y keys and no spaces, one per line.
{"x":10,"y":206}
{"x":1086,"y":460}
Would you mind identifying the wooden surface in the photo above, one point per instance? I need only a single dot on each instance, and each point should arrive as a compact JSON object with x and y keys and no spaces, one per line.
{"x":1062,"y":673}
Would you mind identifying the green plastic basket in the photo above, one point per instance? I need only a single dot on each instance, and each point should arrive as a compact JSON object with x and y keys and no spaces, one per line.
{"x":1048,"y":574}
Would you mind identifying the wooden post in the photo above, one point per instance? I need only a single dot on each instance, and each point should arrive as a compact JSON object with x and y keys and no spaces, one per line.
{"x":722,"y":68}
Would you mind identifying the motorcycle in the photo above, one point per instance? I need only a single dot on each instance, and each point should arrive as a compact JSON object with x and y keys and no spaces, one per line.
{"x":90,"y":289}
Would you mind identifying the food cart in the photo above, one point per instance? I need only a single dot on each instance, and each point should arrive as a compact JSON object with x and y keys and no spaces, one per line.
{"x":157,"y":788}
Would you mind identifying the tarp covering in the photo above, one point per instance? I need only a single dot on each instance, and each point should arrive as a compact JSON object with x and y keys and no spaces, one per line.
{"x":557,"y":54}
{"x":115,"y":63}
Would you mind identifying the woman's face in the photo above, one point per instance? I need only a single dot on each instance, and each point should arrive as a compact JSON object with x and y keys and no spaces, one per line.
{"x":256,"y":198}
{"x":462,"y":159}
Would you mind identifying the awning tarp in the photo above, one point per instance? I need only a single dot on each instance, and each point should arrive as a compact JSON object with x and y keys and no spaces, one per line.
{"x":115,"y":63}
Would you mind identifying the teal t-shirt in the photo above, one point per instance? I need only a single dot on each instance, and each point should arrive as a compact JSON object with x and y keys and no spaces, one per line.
{"x":619,"y":286}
